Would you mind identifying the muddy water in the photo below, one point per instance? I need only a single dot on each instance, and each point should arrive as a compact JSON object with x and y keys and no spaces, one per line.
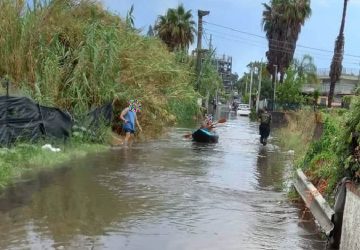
{"x":163,"y":194}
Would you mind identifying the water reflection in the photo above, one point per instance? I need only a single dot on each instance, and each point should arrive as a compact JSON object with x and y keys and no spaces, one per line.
{"x":163,"y":194}
{"x":270,"y":168}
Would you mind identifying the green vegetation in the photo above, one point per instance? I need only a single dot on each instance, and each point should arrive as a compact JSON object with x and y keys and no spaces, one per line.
{"x":75,"y":55}
{"x":320,"y":161}
{"x":243,"y":84}
{"x":282,"y":21}
{"x":25,"y":158}
{"x":335,"y":154}
{"x":300,"y":72}
{"x":176,"y":28}
{"x":298,"y":134}
{"x":288,"y":93}
{"x":209,"y":80}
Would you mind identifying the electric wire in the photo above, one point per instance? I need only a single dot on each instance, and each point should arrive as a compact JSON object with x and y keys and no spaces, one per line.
{"x":345,"y":62}
{"x":278,"y":48}
{"x":263,"y":37}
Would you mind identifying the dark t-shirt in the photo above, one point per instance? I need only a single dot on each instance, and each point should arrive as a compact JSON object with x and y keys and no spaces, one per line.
{"x":265,"y":118}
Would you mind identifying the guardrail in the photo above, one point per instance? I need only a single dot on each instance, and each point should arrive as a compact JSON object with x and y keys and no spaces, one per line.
{"x":314,"y":201}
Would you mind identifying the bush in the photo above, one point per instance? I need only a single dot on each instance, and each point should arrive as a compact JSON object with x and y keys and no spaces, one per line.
{"x":75,"y":55}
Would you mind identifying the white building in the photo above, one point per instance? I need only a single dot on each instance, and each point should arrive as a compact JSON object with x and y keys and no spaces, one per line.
{"x":346,"y":85}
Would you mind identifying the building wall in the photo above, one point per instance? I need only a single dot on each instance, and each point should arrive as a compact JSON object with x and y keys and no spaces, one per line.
{"x":346,"y":85}
{"x":341,"y":88}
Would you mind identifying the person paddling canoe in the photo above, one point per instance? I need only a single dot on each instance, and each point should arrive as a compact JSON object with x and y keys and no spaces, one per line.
{"x":205,"y":132}
{"x":208,"y":124}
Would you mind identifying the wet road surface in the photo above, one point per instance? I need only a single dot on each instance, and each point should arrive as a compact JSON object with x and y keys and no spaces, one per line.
{"x":164,"y":194}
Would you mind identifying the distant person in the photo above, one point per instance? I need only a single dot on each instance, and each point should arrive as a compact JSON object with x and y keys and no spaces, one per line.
{"x":128,"y":116}
{"x":234,"y":106}
{"x":214,"y":104}
{"x":264,"y":128}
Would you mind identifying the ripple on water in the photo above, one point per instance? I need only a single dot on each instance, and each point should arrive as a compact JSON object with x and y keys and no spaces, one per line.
{"x":167,"y":194}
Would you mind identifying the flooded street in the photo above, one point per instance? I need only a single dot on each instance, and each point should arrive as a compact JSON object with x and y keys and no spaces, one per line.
{"x":164,"y":194}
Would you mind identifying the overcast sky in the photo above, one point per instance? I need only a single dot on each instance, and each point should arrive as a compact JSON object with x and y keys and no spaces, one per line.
{"x":319,"y":32}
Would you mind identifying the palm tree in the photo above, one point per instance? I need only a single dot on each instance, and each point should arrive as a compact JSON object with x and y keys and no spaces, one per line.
{"x":306,"y":69}
{"x":176,"y":28}
{"x":336,"y":63}
{"x":130,"y":18}
{"x":282,"y":21}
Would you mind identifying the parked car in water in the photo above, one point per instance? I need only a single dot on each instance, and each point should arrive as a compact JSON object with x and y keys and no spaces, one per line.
{"x":243,"y":110}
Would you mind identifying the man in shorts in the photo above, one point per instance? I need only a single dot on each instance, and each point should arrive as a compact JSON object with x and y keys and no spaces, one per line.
{"x":128,"y":116}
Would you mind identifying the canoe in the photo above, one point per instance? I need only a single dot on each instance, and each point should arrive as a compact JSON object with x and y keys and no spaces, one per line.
{"x":203,"y":135}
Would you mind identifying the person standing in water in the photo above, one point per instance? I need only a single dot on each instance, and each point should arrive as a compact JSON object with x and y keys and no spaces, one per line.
{"x":128,"y":116}
{"x":264,"y":128}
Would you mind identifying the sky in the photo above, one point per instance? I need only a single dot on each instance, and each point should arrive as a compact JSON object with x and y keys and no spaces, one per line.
{"x":242,"y":19}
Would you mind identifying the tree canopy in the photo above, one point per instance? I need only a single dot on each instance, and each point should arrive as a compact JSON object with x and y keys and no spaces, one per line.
{"x":176,"y":28}
{"x":282,"y":21}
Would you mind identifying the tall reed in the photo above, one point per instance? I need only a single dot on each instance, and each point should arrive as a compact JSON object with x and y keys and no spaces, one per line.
{"x":75,"y":55}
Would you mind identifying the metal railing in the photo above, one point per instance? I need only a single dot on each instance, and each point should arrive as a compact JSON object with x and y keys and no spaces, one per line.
{"x":325,"y":87}
{"x":345,"y":71}
{"x":313,"y":199}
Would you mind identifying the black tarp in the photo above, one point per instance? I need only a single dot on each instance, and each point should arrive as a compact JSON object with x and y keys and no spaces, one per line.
{"x":23,"y":119}
{"x":101,"y":115}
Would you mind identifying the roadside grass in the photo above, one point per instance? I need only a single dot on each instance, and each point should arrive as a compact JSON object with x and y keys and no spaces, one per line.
{"x":80,"y":56}
{"x":319,"y":158}
{"x":298,"y":134}
{"x":24,"y":158}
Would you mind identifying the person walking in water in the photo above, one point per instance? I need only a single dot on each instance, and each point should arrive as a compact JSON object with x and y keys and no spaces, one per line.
{"x":128,"y":116}
{"x":264,"y":128}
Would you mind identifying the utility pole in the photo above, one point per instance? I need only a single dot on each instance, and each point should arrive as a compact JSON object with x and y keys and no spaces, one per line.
{"x":276,"y":76}
{"x":251,"y":81}
{"x":201,"y":13}
{"x":259,"y":89}
{"x":246,"y":83}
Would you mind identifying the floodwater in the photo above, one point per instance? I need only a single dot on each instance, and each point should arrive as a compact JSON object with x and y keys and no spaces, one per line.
{"x":163,"y":194}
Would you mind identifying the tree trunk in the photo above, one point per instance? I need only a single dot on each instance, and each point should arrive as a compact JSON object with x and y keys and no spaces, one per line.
{"x":282,"y":75}
{"x":336,"y":64}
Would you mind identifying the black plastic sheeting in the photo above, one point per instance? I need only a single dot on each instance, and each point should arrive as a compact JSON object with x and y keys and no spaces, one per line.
{"x":23,"y":119}
{"x":101,"y":116}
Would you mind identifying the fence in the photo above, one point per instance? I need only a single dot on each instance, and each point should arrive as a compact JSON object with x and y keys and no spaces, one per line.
{"x":345,"y":71}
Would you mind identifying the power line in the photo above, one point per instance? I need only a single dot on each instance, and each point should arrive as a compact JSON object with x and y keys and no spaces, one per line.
{"x":205,"y":37}
{"x":275,"y":48}
{"x":263,"y":37}
{"x":260,"y":42}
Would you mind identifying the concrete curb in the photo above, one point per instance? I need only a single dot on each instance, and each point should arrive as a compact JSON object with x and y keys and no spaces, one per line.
{"x":314,"y":201}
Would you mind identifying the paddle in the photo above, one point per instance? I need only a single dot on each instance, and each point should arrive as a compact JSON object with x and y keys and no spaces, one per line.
{"x":222,"y":120}
{"x":187,"y":136}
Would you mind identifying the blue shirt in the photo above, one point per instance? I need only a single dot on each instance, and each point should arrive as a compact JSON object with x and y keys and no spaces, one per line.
{"x":130,"y":117}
